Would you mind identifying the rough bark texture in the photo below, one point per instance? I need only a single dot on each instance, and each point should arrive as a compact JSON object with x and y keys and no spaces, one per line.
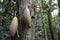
{"x":25,"y":33}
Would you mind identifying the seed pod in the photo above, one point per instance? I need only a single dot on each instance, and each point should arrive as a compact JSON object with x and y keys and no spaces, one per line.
{"x":27,"y":17}
{"x":14,"y":26}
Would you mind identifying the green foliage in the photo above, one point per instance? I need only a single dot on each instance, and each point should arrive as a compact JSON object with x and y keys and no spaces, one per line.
{"x":42,"y":18}
{"x":6,"y":15}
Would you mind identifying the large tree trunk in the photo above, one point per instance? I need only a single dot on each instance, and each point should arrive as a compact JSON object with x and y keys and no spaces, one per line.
{"x":25,"y":33}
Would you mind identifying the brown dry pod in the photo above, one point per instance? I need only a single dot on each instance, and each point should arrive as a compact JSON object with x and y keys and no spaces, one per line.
{"x":27,"y":17}
{"x":14,"y":26}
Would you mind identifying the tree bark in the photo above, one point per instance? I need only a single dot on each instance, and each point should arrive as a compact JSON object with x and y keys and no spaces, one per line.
{"x":25,"y":33}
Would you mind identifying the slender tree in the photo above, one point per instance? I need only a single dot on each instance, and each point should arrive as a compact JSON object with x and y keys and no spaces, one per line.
{"x":51,"y":27}
{"x":59,"y":6}
{"x":59,"y":15}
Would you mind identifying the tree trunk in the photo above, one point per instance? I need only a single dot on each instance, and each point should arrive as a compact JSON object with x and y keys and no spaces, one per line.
{"x":51,"y":26}
{"x":59,"y":6}
{"x":46,"y":38}
{"x":59,"y":15}
{"x":25,"y":33}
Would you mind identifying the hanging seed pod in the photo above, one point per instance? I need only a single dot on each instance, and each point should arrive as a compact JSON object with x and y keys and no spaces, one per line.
{"x":14,"y":26}
{"x":27,"y":17}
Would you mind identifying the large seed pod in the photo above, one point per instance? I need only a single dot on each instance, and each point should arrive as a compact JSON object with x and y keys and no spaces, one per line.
{"x":14,"y":26}
{"x":27,"y":17}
